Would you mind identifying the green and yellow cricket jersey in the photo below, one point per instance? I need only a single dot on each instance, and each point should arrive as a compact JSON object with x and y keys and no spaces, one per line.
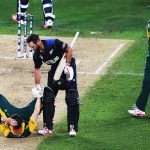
{"x":7,"y":110}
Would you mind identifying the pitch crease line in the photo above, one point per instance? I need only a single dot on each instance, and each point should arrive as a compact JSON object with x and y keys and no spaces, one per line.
{"x":103,"y":73}
{"x":101,"y":67}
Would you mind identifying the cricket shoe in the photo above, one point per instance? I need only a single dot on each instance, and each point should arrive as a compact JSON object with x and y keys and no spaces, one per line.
{"x":45,"y":131}
{"x":14,"y":18}
{"x":48,"y":24}
{"x":136,"y":112}
{"x":72,"y":131}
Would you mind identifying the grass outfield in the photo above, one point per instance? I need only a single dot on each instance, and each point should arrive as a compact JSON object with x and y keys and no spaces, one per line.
{"x":109,"y":19}
{"x":104,"y":122}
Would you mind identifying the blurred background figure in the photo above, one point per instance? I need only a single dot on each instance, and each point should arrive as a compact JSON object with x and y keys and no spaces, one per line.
{"x":47,"y":8}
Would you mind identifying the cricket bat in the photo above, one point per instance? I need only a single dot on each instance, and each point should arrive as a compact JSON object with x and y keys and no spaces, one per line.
{"x":62,"y":62}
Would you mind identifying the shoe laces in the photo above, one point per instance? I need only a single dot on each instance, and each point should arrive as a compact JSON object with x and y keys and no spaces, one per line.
{"x":134,"y":107}
{"x":72,"y":130}
{"x":45,"y":130}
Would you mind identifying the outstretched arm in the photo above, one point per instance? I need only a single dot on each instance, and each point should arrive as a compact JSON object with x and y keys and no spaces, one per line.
{"x":37,"y":89}
{"x":37,"y":75}
{"x":36,"y":109}
{"x":33,"y":119}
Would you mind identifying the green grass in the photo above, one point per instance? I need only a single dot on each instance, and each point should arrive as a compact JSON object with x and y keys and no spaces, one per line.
{"x":104,"y":122}
{"x":135,"y":59}
{"x":111,"y":18}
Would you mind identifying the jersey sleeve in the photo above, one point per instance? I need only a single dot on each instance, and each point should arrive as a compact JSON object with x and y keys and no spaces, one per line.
{"x":6,"y":132}
{"x":32,"y":125}
{"x":4,"y":129}
{"x":37,"y":60}
{"x":60,"y":45}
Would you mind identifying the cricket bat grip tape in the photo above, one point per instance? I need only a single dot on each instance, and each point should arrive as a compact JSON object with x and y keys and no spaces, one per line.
{"x":62,"y":62}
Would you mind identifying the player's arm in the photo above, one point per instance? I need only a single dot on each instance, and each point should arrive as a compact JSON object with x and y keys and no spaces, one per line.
{"x":68,"y":70}
{"x":65,"y":61}
{"x":36,"y":109}
{"x":37,"y":75}
{"x":68,"y":54}
{"x":37,"y":65}
{"x":65,"y":48}
{"x":33,"y":119}
{"x":37,"y":89}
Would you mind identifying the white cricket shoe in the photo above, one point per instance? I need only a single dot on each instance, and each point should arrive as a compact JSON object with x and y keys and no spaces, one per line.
{"x":136,"y":112}
{"x":72,"y":131}
{"x":48,"y":24}
{"x":45,"y":131}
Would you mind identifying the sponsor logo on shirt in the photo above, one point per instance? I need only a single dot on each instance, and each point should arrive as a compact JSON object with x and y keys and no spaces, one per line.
{"x":51,"y":52}
{"x":41,"y":57}
{"x":52,"y":61}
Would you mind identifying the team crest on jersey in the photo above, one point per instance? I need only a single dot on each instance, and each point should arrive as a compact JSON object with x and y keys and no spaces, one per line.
{"x":51,"y":52}
{"x":52,"y":61}
{"x":41,"y":57}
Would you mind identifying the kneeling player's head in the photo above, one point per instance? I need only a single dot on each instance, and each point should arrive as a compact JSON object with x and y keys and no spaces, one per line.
{"x":18,"y":119}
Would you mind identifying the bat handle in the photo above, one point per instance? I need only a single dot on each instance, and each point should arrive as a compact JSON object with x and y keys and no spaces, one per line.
{"x":74,"y":39}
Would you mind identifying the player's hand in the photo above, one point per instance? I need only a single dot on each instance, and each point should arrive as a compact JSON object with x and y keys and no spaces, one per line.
{"x":69,"y":72}
{"x":11,"y":121}
{"x":37,"y":91}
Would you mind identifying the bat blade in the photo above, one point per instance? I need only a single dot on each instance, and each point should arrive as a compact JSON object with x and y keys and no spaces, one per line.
{"x":60,"y":69}
{"x":62,"y":62}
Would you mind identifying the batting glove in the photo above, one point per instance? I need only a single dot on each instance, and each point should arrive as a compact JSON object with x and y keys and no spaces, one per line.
{"x":37,"y":91}
{"x":69,"y":72}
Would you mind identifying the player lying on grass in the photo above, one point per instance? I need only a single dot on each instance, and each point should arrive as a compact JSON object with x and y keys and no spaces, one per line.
{"x":18,"y":122}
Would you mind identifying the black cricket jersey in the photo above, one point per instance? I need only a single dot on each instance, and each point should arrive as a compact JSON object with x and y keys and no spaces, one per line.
{"x":52,"y":54}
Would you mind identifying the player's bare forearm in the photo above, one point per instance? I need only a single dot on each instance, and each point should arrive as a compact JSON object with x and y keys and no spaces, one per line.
{"x":36,"y":109}
{"x":37,"y":76}
{"x":68,"y":54}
